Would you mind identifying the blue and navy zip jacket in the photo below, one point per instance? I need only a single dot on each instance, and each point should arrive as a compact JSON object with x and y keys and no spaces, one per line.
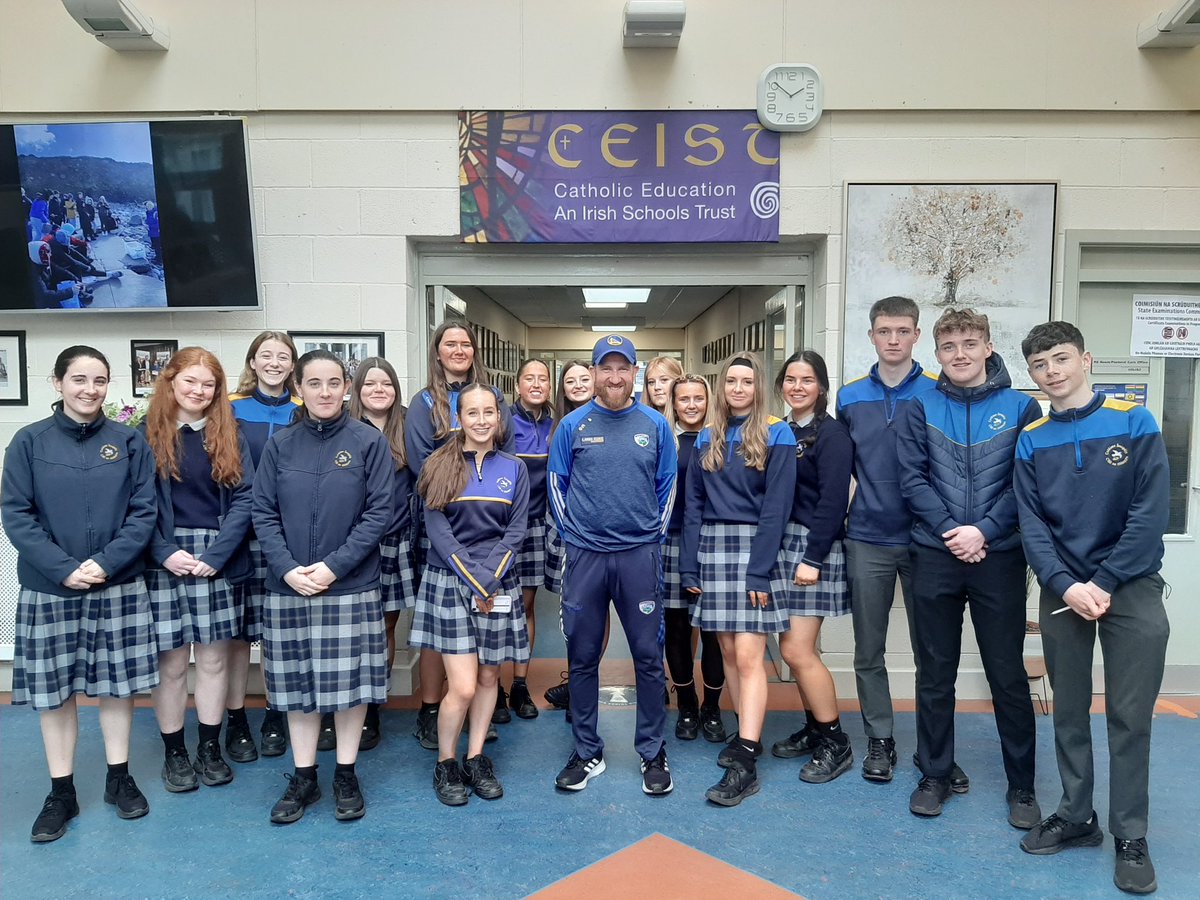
{"x":612,"y":477}
{"x":260,"y":416}
{"x":419,"y":441}
{"x":687,"y":446}
{"x":822,"y":484}
{"x":323,"y":493}
{"x":531,"y":444}
{"x":957,"y":447}
{"x":479,"y":533}
{"x":229,"y":552}
{"x":739,"y":494}
{"x":73,"y":492}
{"x":873,"y":411}
{"x":1093,"y":490}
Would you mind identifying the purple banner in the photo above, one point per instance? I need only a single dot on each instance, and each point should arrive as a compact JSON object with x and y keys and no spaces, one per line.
{"x":617,"y":177}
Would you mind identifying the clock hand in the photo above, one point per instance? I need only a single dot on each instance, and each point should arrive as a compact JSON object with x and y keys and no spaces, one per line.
{"x":785,"y":90}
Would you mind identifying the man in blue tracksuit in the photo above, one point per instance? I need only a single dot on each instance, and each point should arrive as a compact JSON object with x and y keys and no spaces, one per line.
{"x":956,"y":451}
{"x":879,"y":528}
{"x":1093,"y":490}
{"x":612,"y":472}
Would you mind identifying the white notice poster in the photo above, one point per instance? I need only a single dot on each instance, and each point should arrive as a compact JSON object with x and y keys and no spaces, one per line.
{"x":1165,"y":325}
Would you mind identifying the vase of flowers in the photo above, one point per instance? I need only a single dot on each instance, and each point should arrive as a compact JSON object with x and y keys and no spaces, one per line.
{"x":126,"y":413}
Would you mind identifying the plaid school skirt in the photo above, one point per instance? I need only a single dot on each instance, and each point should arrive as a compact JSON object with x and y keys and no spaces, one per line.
{"x":448,"y":621}
{"x":533,"y":562}
{"x":830,"y":596}
{"x":673,"y":594}
{"x":324,"y":653}
{"x":556,"y":559}
{"x":249,"y":595}
{"x":100,"y":644}
{"x":189,"y":609}
{"x":397,"y":573}
{"x":725,"y":604}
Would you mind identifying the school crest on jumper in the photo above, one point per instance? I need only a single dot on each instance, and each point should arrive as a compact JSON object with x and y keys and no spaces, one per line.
{"x":997,"y":421}
{"x":503,"y":484}
{"x":109,"y":452}
{"x":342,"y":458}
{"x":1116,"y":455}
{"x":642,"y":440}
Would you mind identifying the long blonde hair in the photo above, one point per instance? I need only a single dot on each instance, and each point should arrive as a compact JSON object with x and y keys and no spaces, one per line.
{"x":754,"y":429}
{"x":672,"y":368}
{"x":672,"y":417}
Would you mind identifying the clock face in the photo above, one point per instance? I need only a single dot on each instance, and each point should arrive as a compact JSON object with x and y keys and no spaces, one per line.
{"x":790,"y":97}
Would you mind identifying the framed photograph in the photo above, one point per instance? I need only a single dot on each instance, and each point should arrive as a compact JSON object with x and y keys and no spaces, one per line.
{"x":147,"y":359}
{"x":14,"y":375}
{"x":984,"y":245}
{"x":351,"y":347}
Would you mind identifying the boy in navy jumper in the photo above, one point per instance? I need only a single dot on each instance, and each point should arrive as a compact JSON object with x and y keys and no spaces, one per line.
{"x":878,"y":532}
{"x":612,"y":476}
{"x":956,"y":461}
{"x":1092,"y":486}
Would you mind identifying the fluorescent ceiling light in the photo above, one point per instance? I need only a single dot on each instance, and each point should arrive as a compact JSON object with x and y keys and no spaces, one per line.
{"x":604,"y":304}
{"x":606,"y":328}
{"x":593,"y":295}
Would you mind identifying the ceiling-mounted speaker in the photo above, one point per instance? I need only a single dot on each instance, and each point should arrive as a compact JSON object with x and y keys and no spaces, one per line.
{"x":119,"y":24}
{"x":654,"y":23}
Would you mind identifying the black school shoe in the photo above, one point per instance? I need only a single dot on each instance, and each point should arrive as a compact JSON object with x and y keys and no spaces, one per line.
{"x":273,"y":735}
{"x":687,"y":726}
{"x":830,"y":759}
{"x":370,"y":737}
{"x":239,"y":745}
{"x":801,"y":743}
{"x":178,"y":774}
{"x":479,"y":775}
{"x":426,"y":729}
{"x":929,"y":797}
{"x":51,"y":823}
{"x":347,"y":797}
{"x":739,"y":782}
{"x":327,"y":739}
{"x":1056,"y":834}
{"x":211,"y":766}
{"x":711,"y":725}
{"x":448,"y":783}
{"x":520,"y":702}
{"x":301,"y":793}
{"x":959,"y":782}
{"x":122,"y":792}
{"x":501,"y":715}
{"x":880,"y":762}
{"x":1023,"y":809}
{"x":1134,"y":873}
{"x":559,"y":696}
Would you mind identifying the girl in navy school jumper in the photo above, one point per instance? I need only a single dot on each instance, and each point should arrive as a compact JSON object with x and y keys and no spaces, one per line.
{"x":83,"y":620}
{"x":322,"y":505}
{"x":814,"y":580}
{"x":476,"y":511}
{"x":375,"y":399}
{"x":262,"y":404}
{"x":533,"y":420}
{"x":686,"y":412}
{"x":431,"y":420}
{"x":740,"y":486}
{"x":205,"y":484}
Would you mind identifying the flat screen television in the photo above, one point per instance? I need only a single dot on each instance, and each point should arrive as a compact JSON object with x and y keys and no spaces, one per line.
{"x":126,"y":215}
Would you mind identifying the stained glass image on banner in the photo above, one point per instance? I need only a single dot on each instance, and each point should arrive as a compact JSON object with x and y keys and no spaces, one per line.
{"x":603,"y":177}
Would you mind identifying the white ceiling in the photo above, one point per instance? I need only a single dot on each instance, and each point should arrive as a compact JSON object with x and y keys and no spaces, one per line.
{"x":550,"y":307}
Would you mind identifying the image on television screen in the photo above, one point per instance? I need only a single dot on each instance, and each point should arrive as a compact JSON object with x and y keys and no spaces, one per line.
{"x":94,"y":232}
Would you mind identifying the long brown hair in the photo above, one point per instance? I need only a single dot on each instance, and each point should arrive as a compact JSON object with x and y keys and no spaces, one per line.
{"x":563,"y":405}
{"x":444,"y":474}
{"x":672,"y":367}
{"x":393,"y":424}
{"x":754,"y":429}
{"x":436,"y":381}
{"x":248,"y":380}
{"x":220,"y":432}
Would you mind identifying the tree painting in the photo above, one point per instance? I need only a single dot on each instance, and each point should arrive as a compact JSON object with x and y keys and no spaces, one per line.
{"x":952,"y":233}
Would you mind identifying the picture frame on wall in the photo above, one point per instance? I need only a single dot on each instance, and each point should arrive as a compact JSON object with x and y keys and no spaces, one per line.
{"x":146,"y":359}
{"x":14,"y":371}
{"x":979,"y":244}
{"x":351,"y":347}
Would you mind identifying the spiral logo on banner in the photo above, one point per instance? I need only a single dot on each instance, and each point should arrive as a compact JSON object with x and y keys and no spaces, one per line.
{"x":764,"y":199}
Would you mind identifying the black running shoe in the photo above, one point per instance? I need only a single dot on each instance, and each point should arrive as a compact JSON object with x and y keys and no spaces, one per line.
{"x":959,"y":782}
{"x":347,"y":797}
{"x":51,"y":823}
{"x":1023,"y":809}
{"x":880,"y":764}
{"x":520,"y":702}
{"x":369,"y":739}
{"x":711,"y":725}
{"x":1056,"y":834}
{"x":239,"y":745}
{"x":501,"y":715}
{"x":739,"y":782}
{"x":211,"y":766}
{"x":829,"y":760}
{"x":656,"y":775}
{"x":1134,"y":873}
{"x":426,"y":730}
{"x":448,"y":783}
{"x":687,"y":726}
{"x":559,"y":696}
{"x":301,"y":793}
{"x":929,"y":797}
{"x":491,"y":735}
{"x":801,"y":743}
{"x":327,"y":739}
{"x":122,"y":792}
{"x":178,"y":774}
{"x":479,"y":775}
{"x":576,"y":774}
{"x":273,"y":735}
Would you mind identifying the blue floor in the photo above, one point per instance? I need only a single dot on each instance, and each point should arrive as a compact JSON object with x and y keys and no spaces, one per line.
{"x":845,"y":839}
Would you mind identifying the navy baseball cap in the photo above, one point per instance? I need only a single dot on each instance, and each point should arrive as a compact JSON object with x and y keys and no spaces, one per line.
{"x":614,"y":343}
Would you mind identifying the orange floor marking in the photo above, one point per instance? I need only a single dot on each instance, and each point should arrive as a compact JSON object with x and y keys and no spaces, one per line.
{"x":666,"y":870}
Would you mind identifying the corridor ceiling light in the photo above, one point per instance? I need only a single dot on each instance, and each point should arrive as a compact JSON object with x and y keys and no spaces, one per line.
{"x":1176,"y":26}
{"x":654,"y":23}
{"x":605,"y":305}
{"x":119,"y":24}
{"x":599,"y":298}
{"x":607,"y":328}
